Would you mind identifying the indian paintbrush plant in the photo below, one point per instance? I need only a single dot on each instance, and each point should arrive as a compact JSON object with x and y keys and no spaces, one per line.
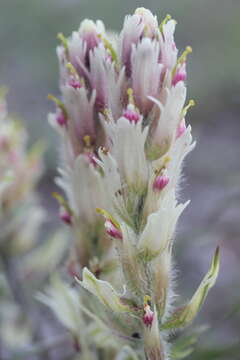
{"x":121,"y":118}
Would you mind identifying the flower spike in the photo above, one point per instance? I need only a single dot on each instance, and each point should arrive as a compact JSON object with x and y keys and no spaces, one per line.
{"x":121,"y":119}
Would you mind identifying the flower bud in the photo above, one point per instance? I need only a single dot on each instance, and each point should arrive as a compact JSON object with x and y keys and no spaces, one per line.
{"x":112,"y":230}
{"x":180,"y":74}
{"x":111,"y":225}
{"x":148,"y":315}
{"x":161,"y":181}
{"x":61,"y":118}
{"x":74,"y":83}
{"x":153,"y":343}
{"x":131,"y":114}
{"x":65,"y":216}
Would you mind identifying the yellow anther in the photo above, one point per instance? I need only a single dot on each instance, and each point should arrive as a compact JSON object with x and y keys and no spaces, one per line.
{"x":147,"y":300}
{"x":165,"y":20}
{"x":63,"y":40}
{"x":182,"y":59}
{"x":58,"y":103}
{"x":184,"y":55}
{"x":190,"y":104}
{"x":109,"y":46}
{"x":62,"y":202}
{"x":87,"y":141}
{"x":130,"y":96}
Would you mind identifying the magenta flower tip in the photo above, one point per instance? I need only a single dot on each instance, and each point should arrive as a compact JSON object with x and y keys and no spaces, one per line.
{"x":112,"y":230}
{"x":160,"y":182}
{"x":65,"y":216}
{"x":75,"y":83}
{"x":148,"y":316}
{"x":61,"y":119}
{"x":132,"y":115}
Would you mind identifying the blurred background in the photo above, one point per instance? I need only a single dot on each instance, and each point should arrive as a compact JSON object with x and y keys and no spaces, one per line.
{"x":28,"y":67}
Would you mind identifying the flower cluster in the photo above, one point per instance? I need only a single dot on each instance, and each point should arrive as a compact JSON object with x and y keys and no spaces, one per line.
{"x":122,"y":121}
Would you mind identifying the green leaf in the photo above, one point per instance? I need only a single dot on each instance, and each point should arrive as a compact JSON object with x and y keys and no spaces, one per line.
{"x":103,"y":291}
{"x":184,"y":315}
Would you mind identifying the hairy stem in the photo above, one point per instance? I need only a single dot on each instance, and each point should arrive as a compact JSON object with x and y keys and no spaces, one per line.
{"x":154,"y":346}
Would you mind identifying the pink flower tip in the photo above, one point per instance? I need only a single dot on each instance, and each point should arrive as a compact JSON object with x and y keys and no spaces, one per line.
{"x":180,"y":74}
{"x":148,"y":316}
{"x":132,"y":115}
{"x":112,"y":230}
{"x":160,"y":182}
{"x":181,"y":129}
{"x":75,"y":83}
{"x":61,"y":119}
{"x":65,"y":216}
